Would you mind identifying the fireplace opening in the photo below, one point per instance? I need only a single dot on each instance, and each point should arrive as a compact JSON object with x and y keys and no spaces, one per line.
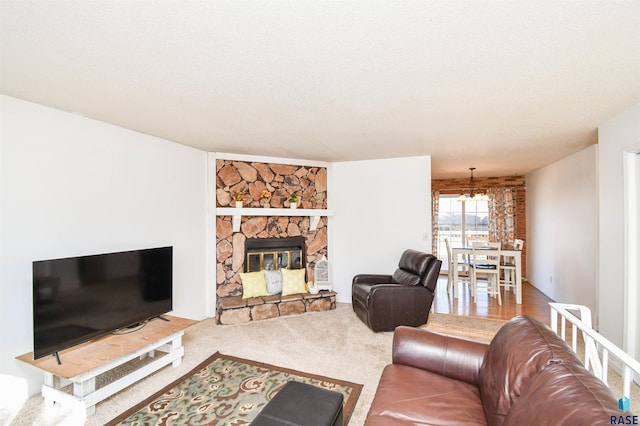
{"x":274,"y":253}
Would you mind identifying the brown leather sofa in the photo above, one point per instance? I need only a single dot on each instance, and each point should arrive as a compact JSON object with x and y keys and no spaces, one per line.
{"x":527,"y":375}
{"x":384,"y":302}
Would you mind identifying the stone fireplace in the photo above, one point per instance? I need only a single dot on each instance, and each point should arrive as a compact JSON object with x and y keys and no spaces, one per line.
{"x":230,"y":247}
{"x":273,"y":253}
{"x":273,"y":224}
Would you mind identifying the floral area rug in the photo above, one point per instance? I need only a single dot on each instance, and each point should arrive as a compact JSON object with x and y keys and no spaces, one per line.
{"x":225,"y":390}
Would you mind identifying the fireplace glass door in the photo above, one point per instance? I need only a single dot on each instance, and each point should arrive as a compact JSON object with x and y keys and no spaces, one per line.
{"x":271,"y":260}
{"x":274,"y":253}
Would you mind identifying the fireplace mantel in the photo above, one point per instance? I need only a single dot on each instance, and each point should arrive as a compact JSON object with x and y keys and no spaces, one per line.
{"x":237,"y":213}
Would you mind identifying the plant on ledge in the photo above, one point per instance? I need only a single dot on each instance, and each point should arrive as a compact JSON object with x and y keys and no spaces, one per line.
{"x":238,"y":197}
{"x":293,"y":200}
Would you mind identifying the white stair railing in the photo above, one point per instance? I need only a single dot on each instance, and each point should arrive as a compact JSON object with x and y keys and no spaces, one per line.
{"x":595,"y":360}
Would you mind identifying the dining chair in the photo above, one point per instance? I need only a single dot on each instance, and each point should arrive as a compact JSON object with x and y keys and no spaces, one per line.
{"x":486,"y":259}
{"x":481,"y":241}
{"x":477,"y":239}
{"x":463,"y":266}
{"x":508,"y":266}
{"x":484,"y":244}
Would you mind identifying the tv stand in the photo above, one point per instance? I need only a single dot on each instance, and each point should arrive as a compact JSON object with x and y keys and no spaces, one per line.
{"x":85,"y":362}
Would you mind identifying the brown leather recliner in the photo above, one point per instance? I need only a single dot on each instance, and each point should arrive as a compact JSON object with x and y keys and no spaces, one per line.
{"x":384,"y":302}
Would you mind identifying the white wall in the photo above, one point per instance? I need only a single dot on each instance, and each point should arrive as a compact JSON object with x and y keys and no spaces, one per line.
{"x":562,"y":233}
{"x":634,"y":276}
{"x":632,"y":248}
{"x":562,"y":236}
{"x":619,"y":134}
{"x":382,"y":207}
{"x":71,"y":186}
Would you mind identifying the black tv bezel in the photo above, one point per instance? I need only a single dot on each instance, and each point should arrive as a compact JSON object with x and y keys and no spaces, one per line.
{"x":100,"y":333}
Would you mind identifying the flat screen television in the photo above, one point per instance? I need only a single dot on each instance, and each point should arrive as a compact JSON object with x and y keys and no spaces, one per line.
{"x":77,"y":299}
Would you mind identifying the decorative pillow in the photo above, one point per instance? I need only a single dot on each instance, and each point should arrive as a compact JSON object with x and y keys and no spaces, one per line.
{"x":274,"y":281}
{"x":253,"y":284}
{"x":293,"y":281}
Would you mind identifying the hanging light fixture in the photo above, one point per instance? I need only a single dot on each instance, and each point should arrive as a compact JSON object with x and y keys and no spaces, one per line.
{"x":473,"y":196}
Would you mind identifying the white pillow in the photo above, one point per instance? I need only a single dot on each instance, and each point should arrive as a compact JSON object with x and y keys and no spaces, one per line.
{"x":274,"y":281}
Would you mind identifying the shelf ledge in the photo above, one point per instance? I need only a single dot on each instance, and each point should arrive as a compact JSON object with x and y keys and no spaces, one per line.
{"x":237,"y":213}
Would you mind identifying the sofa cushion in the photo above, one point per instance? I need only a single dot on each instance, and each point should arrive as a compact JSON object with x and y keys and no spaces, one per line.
{"x":409,"y":396}
{"x":566,"y":394}
{"x":509,"y":365}
{"x":448,"y":356}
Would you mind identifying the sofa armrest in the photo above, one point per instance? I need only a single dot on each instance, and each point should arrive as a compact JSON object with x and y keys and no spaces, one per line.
{"x":448,"y":356}
{"x":372,"y":279}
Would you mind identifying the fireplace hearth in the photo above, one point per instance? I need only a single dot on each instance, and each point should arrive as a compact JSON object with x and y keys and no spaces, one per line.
{"x":269,"y":254}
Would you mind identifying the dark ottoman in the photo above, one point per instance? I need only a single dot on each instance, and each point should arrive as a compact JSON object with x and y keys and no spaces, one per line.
{"x":300,"y":404}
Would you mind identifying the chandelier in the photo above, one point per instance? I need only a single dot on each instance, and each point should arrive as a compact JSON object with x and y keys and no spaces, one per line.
{"x":472,"y":196}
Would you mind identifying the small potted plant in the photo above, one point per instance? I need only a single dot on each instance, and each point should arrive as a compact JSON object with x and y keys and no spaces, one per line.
{"x":238,"y":198}
{"x":264,"y":198}
{"x":293,"y":201}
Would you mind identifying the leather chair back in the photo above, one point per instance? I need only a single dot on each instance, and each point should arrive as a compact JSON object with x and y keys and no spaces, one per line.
{"x":416,"y":268}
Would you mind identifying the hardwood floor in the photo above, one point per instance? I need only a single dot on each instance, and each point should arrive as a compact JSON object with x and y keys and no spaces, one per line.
{"x":534,"y":303}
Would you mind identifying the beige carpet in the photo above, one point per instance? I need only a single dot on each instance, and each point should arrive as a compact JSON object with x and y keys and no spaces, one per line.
{"x":334,"y":343}
{"x":324,"y":343}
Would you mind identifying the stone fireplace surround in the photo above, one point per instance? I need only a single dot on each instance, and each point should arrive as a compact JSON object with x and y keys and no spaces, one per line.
{"x":280,"y":180}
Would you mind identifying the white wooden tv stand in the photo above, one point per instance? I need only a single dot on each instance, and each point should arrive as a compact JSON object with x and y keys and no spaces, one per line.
{"x":83,"y":363}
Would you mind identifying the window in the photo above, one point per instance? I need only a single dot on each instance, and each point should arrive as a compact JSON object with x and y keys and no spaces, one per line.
{"x":459,"y":221}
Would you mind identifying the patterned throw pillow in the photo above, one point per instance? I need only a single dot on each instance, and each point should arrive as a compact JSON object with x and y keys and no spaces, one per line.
{"x":293,"y":281}
{"x":253,"y":284}
{"x":274,"y":281}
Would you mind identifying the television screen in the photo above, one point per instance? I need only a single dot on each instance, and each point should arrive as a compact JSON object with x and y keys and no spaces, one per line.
{"x":77,"y":299}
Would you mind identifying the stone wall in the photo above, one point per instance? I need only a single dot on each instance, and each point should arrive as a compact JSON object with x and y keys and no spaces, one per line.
{"x":235,"y":310}
{"x":280,"y":180}
{"x":252,"y":179}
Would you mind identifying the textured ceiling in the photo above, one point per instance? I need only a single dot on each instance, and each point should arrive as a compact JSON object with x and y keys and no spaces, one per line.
{"x":507,"y":87}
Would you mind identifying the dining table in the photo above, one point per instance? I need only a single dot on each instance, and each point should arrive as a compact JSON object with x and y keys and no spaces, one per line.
{"x":462,"y":251}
